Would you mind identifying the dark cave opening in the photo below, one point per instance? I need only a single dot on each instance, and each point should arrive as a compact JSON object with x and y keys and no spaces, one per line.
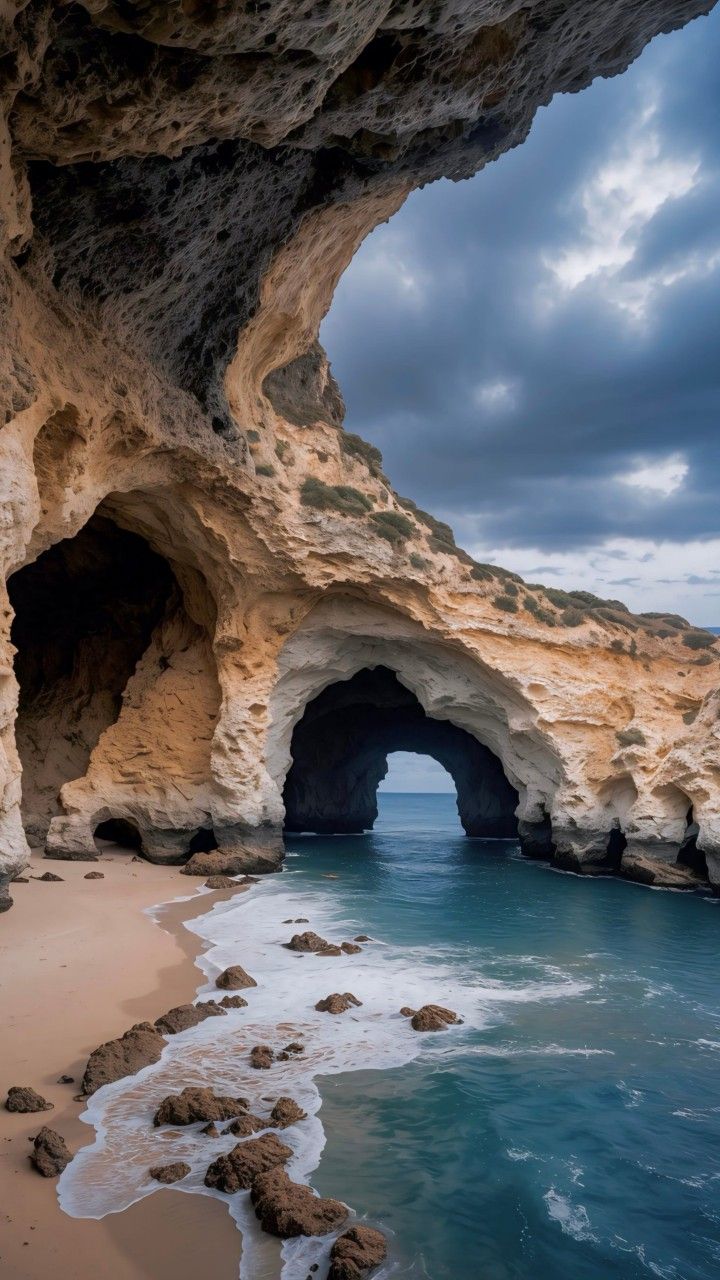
{"x":120,"y":831}
{"x":84,"y":614}
{"x":689,"y":854}
{"x":340,"y":747}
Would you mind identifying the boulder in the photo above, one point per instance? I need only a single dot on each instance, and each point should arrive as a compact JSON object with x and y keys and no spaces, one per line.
{"x":240,"y":1167}
{"x":261,"y":1057}
{"x":211,"y":1130}
{"x":362,"y":937}
{"x":407,"y":1012}
{"x":168,"y":1173}
{"x":195,"y":1103}
{"x":294,"y":1047}
{"x":356,"y":1253}
{"x":137,"y":1048}
{"x":432,"y":1017}
{"x":222,"y":882}
{"x":330,"y":950}
{"x":24,"y":1099}
{"x":230,"y":862}
{"x":288,"y":1209}
{"x":307,"y":942}
{"x":285,"y":1113}
{"x":233,"y":1002}
{"x":48,"y":876}
{"x":337,"y":1003}
{"x":663,"y":875}
{"x":184,"y":1016}
{"x":50,"y":1155}
{"x":234,"y":978}
{"x":94,"y":875}
{"x":350,"y":948}
{"x":245,"y":1125}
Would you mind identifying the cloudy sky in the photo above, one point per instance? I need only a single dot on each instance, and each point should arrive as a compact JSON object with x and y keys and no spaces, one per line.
{"x":536,"y":353}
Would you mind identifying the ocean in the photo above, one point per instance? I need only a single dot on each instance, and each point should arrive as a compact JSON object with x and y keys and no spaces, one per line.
{"x":570,"y":1127}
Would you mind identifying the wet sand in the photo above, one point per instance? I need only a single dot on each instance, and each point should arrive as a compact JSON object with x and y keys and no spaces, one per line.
{"x":80,"y":963}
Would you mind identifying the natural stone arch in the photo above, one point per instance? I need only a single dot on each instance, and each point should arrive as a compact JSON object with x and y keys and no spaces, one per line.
{"x":340,"y":749}
{"x":342,"y":637}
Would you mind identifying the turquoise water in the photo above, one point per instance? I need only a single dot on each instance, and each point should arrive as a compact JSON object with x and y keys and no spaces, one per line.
{"x":567,"y":1138}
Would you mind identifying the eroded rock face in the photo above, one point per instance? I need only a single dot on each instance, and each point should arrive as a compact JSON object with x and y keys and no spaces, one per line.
{"x":169,"y":1173}
{"x":356,"y":1253}
{"x":285,"y":1113}
{"x":184,"y":1016}
{"x":338,"y":1003}
{"x":287,"y":1209}
{"x":23,"y":1099}
{"x":180,"y":189}
{"x":234,"y":978}
{"x":238,"y":1170}
{"x":135,"y":1049}
{"x":197,"y":1103}
{"x":50,"y":1153}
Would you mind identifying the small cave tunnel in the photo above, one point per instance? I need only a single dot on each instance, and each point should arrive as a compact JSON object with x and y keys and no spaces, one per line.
{"x":84,"y":614}
{"x":340,"y":748}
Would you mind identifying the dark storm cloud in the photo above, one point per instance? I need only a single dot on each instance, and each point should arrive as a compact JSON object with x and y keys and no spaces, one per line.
{"x":511,"y":406}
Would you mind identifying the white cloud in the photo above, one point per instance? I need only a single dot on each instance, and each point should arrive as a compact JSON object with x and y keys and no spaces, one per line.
{"x":676,"y":577}
{"x":387,"y":267}
{"x":659,"y":479}
{"x":496,"y":395}
{"x":639,"y":177}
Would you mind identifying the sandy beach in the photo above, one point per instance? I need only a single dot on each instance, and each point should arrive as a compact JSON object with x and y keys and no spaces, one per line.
{"x":80,"y":963}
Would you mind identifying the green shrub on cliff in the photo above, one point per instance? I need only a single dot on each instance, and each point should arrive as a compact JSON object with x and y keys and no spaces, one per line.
{"x":264,"y":469}
{"x":355,"y":447}
{"x":393,"y":526}
{"x":572,"y":617}
{"x":698,"y":639}
{"x":334,"y":497}
{"x":506,"y":603}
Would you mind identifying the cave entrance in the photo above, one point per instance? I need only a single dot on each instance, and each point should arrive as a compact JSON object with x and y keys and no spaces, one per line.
{"x":84,"y":614}
{"x":340,"y":752}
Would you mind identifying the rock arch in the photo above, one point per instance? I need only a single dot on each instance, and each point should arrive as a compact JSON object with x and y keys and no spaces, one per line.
{"x":341,"y":639}
{"x":340,"y":749}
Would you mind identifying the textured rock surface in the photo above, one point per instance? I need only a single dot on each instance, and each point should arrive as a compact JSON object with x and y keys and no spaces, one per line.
{"x":23,"y":1099}
{"x":289,"y":1209}
{"x":50,"y":1154}
{"x":194,"y":1104}
{"x":234,"y":978}
{"x":238,"y":1170}
{"x":180,"y":188}
{"x":356,"y":1253}
{"x":338,"y":1002}
{"x":184,"y":1016}
{"x":135,"y":1049}
{"x":169,"y":1173}
{"x":285,"y":1113}
{"x":432,"y":1017}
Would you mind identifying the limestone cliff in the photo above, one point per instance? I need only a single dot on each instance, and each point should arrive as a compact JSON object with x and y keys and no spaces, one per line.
{"x":181,"y":185}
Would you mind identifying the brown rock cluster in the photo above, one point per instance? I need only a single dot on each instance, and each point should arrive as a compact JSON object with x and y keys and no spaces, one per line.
{"x":430,"y":1017}
{"x":238,"y":1170}
{"x":287,"y":1209}
{"x":169,"y":1173}
{"x":356,"y":1253}
{"x":24,"y":1099}
{"x":234,"y":978}
{"x":197,"y":1103}
{"x":337,"y":1003}
{"x":137,"y":1048}
{"x":50,"y":1154}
